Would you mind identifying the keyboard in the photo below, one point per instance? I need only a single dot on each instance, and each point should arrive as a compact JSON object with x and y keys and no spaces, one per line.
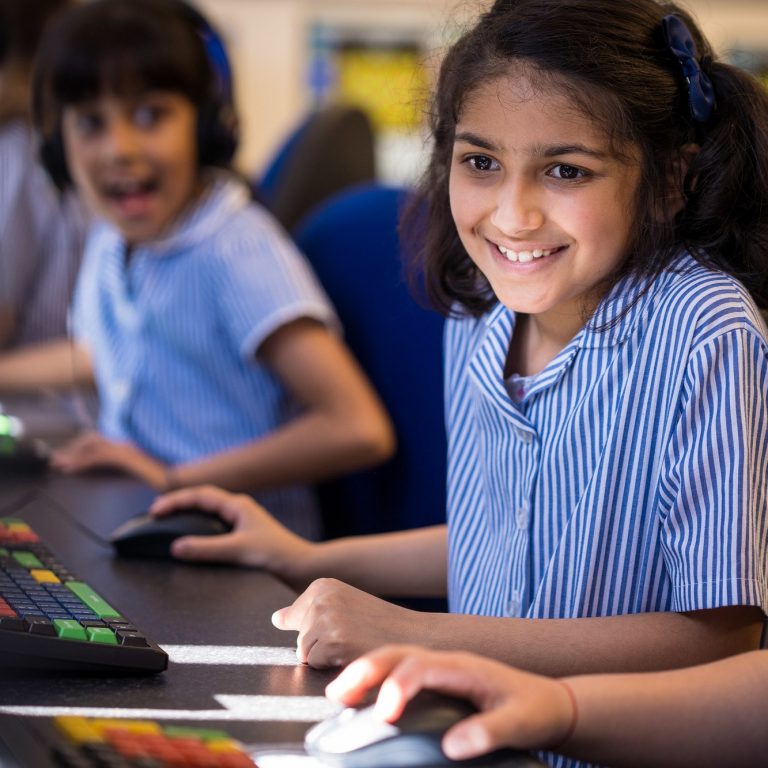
{"x":80,"y":742}
{"x":50,"y":619}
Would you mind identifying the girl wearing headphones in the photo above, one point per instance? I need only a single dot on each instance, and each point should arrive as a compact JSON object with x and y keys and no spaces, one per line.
{"x":212,"y":345}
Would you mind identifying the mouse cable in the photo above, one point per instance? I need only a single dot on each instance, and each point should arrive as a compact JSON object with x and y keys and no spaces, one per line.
{"x":72,"y":519}
{"x":12,"y":507}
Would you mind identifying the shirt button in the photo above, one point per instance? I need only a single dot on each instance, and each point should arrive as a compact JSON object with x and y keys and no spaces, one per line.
{"x":524,"y":435}
{"x":513,"y":607}
{"x":522,"y":516}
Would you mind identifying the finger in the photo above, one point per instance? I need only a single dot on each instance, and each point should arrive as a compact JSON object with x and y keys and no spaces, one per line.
{"x":293,"y":616}
{"x":479,"y":734}
{"x":224,"y":548}
{"x":365,"y":673}
{"x":206,"y":497}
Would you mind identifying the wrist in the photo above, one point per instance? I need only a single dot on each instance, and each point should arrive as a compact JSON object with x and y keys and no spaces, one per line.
{"x":170,"y":480}
{"x":571,"y":720}
{"x":296,"y":564}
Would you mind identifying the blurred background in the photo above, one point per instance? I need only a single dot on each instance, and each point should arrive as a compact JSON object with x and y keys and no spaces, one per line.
{"x":292,"y":56}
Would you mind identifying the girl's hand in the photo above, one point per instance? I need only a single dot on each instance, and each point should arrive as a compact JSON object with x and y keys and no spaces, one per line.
{"x":517,"y":709}
{"x":256,"y":539}
{"x":90,"y":450}
{"x":337,"y":622}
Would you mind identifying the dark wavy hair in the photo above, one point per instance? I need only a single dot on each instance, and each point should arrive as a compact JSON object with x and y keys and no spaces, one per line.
{"x":22,"y":23}
{"x":611,"y":59}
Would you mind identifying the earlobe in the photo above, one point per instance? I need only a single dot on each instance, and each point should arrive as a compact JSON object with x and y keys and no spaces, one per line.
{"x":676,"y":181}
{"x":674,"y":199}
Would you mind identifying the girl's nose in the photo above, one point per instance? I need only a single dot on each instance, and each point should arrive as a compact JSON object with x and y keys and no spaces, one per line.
{"x":518,"y":208}
{"x":121,"y":138}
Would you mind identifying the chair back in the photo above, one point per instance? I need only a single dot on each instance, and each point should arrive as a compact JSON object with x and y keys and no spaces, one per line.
{"x":331,"y":149}
{"x":353,"y":244}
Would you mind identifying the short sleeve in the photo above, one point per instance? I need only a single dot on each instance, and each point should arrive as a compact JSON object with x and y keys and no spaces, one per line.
{"x":713,"y":489}
{"x":263,"y":283}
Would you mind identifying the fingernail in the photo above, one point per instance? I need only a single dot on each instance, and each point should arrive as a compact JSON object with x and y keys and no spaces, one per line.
{"x":457,"y":746}
{"x":386,"y":701}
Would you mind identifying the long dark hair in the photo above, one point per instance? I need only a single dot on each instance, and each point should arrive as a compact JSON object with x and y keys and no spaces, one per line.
{"x":611,"y":58}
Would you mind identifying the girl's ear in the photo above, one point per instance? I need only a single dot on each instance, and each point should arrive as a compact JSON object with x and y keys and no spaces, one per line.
{"x":674,"y":199}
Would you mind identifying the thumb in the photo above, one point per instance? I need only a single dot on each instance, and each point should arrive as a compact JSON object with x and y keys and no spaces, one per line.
{"x":477,"y":735}
{"x":281,"y":618}
{"x":218,"y":549}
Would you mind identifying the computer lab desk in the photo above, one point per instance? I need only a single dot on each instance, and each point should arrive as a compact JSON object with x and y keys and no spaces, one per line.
{"x":229,"y":667}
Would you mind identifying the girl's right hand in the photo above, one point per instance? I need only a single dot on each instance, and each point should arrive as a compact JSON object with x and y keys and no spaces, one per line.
{"x":256,"y":539}
{"x":516,"y":709}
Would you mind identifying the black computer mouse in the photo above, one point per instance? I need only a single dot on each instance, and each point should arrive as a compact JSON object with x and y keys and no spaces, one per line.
{"x":23,"y":455}
{"x":355,"y":738}
{"x":147,"y":536}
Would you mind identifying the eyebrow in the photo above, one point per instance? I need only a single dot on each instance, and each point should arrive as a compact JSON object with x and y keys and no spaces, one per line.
{"x":555,"y":150}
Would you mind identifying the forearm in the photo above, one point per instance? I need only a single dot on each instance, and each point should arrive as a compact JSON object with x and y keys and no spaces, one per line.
{"x":406,"y":563}
{"x":712,"y":715}
{"x":632,"y":643}
{"x":57,"y":364}
{"x":308,"y":449}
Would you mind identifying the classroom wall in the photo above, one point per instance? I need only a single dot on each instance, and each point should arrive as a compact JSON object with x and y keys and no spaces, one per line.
{"x":269,"y":46}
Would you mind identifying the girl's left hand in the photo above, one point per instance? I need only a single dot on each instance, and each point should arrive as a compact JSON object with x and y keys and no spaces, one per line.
{"x":90,"y":450}
{"x":516,"y":709}
{"x":337,"y":622}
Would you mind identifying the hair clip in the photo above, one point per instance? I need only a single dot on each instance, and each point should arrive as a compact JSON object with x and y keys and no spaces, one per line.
{"x":701,"y":93}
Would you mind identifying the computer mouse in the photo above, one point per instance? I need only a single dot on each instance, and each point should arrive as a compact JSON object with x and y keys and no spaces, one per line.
{"x":355,"y":738}
{"x":23,"y":455}
{"x":151,"y":537}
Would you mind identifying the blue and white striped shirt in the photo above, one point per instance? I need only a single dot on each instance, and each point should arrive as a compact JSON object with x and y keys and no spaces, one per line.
{"x":632,"y":476}
{"x":174,"y":331}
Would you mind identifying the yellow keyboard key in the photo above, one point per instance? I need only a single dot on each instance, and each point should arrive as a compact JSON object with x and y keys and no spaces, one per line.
{"x":45,"y":577}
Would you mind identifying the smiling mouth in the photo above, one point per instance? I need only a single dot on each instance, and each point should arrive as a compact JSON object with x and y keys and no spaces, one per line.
{"x":526,"y":256}
{"x":123,"y":190}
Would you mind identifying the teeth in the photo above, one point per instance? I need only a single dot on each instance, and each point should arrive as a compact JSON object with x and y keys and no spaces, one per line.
{"x":524,"y":256}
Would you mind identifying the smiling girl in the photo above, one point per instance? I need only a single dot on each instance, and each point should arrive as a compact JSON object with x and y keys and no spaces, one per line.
{"x":596,"y":203}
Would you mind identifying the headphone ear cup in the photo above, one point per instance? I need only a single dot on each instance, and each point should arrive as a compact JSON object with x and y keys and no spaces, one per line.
{"x":217,"y":135}
{"x":54,"y":159}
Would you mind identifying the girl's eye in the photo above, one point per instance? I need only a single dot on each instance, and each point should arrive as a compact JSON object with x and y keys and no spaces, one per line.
{"x":567,"y":172}
{"x":88,"y":123}
{"x":482,"y":163}
{"x":148,"y":115}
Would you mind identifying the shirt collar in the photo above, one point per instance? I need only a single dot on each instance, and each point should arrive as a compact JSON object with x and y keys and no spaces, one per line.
{"x":224,"y":193}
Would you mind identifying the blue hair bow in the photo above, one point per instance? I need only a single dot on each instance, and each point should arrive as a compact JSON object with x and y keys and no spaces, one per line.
{"x":701,"y":94}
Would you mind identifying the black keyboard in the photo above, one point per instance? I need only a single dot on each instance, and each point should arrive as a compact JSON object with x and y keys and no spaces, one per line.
{"x":79,"y":742}
{"x":49,"y":619}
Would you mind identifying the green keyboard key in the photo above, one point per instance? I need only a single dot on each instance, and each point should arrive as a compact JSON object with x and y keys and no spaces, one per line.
{"x":101,"y":635}
{"x":94,"y":601}
{"x":67,"y":628}
{"x":27,"y":559}
{"x":204,"y":734}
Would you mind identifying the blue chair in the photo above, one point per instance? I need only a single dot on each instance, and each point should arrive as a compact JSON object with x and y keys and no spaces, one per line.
{"x":331,"y":149}
{"x":352,"y":242}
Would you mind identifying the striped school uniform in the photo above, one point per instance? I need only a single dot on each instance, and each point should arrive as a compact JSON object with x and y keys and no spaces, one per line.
{"x":631,"y":476}
{"x":174,"y":331}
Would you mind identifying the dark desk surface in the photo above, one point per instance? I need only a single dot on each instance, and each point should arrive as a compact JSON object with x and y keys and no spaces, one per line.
{"x":177,"y":605}
{"x":269,"y":699}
